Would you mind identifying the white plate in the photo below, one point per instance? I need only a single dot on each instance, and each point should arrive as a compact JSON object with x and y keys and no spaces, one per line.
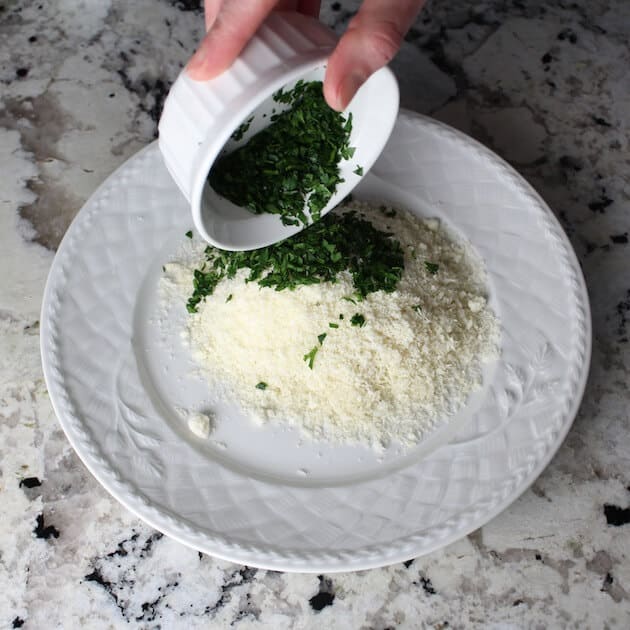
{"x":118,"y":376}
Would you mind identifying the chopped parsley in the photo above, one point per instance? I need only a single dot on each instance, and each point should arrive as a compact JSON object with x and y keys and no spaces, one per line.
{"x":331,"y":325}
{"x":291,"y":165}
{"x":189,"y":234}
{"x":241,"y":130}
{"x":310,"y":356}
{"x":417,"y":308}
{"x":321,"y":338}
{"x":229,"y":298}
{"x":432,"y":268}
{"x":337,"y":243}
{"x":358,"y":320}
{"x":358,"y":171}
{"x":262,"y":385}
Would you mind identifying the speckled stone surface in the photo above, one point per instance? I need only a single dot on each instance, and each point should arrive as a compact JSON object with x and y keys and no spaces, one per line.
{"x":545,"y":85}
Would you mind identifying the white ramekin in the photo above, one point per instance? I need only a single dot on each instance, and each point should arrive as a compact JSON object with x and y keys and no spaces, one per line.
{"x":199,"y":119}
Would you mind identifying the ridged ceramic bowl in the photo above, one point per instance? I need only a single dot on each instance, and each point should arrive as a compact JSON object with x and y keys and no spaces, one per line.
{"x":200,"y":118}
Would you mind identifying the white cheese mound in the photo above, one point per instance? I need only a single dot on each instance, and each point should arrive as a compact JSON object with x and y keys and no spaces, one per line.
{"x":199,"y":424}
{"x":412,"y":365}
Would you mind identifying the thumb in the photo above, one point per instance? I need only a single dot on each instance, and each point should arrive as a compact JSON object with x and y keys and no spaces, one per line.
{"x":373,"y":38}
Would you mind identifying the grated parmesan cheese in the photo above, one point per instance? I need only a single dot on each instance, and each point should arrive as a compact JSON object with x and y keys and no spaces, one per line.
{"x":411,"y":365}
{"x":199,"y":424}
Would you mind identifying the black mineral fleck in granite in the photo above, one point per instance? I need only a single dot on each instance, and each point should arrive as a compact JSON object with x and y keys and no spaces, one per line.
{"x":96,"y":576}
{"x":546,"y":58}
{"x":21,"y":73}
{"x":427,"y":586}
{"x":408,"y":563}
{"x":151,"y":91}
{"x":120,"y":550}
{"x":619,"y":239}
{"x":335,"y":6}
{"x":148,"y":545}
{"x":189,"y":5}
{"x":602,"y":122}
{"x":608,"y":580}
{"x":30,"y":482}
{"x":616,"y":515}
{"x":149,"y":609}
{"x":325,"y":597}
{"x":600,"y":204}
{"x":18,"y":622}
{"x":244,"y":575}
{"x":570,"y":163}
{"x":567,"y":34}
{"x":321,"y":600}
{"x":50,"y":531}
{"x":32,"y":39}
{"x":623,"y":311}
{"x":149,"y":612}
{"x":590,"y":247}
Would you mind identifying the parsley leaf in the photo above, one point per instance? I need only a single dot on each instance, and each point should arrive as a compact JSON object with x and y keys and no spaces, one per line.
{"x":310,"y":356}
{"x":293,"y":164}
{"x":358,"y":320}
{"x":241,"y":130}
{"x":432,"y":268}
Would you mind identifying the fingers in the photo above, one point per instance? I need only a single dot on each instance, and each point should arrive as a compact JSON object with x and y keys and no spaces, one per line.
{"x":211,"y":10}
{"x":309,"y":7}
{"x":230,"y":24}
{"x":373,"y":38}
{"x":233,"y":26}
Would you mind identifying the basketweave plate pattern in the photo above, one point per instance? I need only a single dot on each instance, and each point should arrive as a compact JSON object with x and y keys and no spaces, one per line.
{"x":97,"y":390}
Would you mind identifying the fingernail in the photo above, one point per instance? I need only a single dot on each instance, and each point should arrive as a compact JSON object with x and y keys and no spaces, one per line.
{"x":348,"y":89}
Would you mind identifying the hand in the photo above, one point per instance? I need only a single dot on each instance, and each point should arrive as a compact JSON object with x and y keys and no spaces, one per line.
{"x":373,"y":37}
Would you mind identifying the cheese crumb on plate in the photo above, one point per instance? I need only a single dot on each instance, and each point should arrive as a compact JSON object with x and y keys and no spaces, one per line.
{"x":200,"y":424}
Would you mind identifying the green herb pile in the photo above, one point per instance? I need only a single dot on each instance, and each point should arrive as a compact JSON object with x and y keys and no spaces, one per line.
{"x":339,"y":242}
{"x":292,"y":163}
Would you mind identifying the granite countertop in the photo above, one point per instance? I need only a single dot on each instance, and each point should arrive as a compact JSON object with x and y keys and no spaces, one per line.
{"x":545,"y":85}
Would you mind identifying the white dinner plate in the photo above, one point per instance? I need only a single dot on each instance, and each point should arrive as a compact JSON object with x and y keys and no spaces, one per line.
{"x":121,"y":382}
